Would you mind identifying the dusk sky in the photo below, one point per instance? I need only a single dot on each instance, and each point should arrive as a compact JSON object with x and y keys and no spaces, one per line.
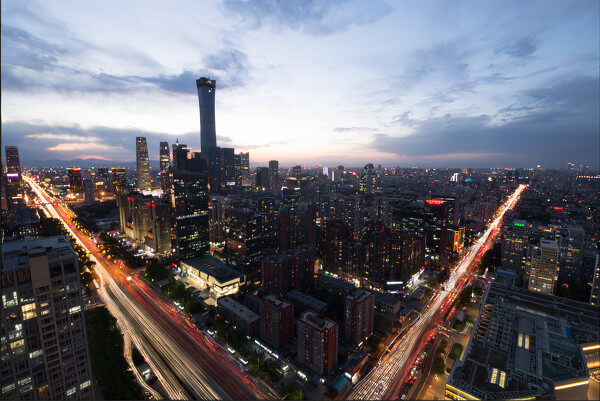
{"x":448,"y":83}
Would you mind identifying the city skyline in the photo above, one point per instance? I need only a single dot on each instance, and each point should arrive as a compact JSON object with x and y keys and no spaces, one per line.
{"x":489,"y":92}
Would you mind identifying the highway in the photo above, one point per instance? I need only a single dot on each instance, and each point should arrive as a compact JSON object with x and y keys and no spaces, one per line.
{"x":385,"y":380}
{"x":187,"y":362}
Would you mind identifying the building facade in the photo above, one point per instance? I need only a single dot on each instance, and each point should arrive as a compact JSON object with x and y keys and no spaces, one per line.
{"x":317,"y":342}
{"x":206,"y":100}
{"x":142,"y":163}
{"x":358,"y":316}
{"x":44,"y":342}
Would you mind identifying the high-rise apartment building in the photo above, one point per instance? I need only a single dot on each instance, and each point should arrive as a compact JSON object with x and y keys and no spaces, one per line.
{"x":44,"y":342}
{"x":542,"y":266}
{"x":206,"y":97}
{"x":119,"y":180}
{"x":276,"y":321}
{"x":358,"y":316}
{"x":291,"y":269}
{"x":75,"y":181}
{"x":317,"y":342}
{"x":165,"y":168}
{"x":142,"y":163}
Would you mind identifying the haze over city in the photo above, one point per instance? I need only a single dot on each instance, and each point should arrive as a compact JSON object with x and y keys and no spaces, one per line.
{"x":468,"y":84}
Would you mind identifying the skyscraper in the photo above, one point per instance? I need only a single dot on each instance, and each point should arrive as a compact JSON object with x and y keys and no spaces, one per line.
{"x":142,"y":163}
{"x":273,"y":171}
{"x":12,"y":178}
{"x":542,"y":266}
{"x":46,"y":350}
{"x":75,"y":180}
{"x":165,"y":168}
{"x":190,"y":189}
{"x":245,"y":165}
{"x":119,"y":180}
{"x":180,"y":155}
{"x":206,"y":96}
{"x":13,"y":165}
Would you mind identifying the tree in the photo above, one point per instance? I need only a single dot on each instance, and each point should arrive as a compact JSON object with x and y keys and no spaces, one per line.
{"x":439,"y":366}
{"x":465,"y":296}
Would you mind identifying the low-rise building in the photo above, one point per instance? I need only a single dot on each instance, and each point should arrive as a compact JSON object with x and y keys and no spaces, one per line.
{"x":242,"y":318}
{"x":303,"y":302}
{"x":214,"y":275}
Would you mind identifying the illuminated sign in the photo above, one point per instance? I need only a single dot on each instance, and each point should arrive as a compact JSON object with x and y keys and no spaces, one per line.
{"x":520,"y":224}
{"x":435,"y":201}
{"x":150,"y":204}
{"x":557,"y":207}
{"x":12,"y":175}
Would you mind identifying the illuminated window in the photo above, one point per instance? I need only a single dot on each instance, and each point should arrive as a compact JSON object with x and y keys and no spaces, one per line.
{"x":523,"y":341}
{"x":75,"y":309}
{"x":25,"y":381}
{"x":28,"y":311}
{"x":43,"y":391}
{"x":498,"y":377}
{"x":71,"y":391}
{"x":9,"y":301}
{"x":8,"y":388}
{"x":85,"y":384}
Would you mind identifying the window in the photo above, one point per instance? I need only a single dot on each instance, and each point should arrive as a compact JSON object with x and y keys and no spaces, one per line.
{"x":28,"y":311}
{"x":75,"y":309}
{"x":8,"y":388}
{"x":85,"y":384}
{"x":71,"y":391}
{"x":9,"y":300}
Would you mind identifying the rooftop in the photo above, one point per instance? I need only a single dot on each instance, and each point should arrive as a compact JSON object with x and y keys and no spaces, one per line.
{"x":213,"y":267}
{"x":238,"y":309}
{"x":300,"y":297}
{"x":523,"y":343}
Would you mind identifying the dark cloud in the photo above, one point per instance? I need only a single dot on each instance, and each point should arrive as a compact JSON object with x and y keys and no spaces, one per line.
{"x":523,"y":47}
{"x":312,"y":16}
{"x":30,"y":62}
{"x":563,"y":126}
{"x":403,"y":119}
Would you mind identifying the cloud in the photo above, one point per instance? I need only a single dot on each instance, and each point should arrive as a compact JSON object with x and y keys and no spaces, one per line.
{"x":30,"y":62}
{"x":562,"y":127}
{"x":354,"y":129}
{"x":312,"y":16}
{"x":523,"y":47}
{"x":70,"y":146}
{"x":403,"y":118}
{"x":35,"y":140}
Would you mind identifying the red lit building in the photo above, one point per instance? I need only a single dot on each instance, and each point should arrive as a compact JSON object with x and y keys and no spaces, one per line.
{"x":288,"y":270}
{"x":317,"y":342}
{"x":276,"y":321}
{"x":358,"y":316}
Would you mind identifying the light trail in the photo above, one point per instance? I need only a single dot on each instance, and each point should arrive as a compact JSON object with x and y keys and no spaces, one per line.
{"x":383,"y":381}
{"x":179,"y":354}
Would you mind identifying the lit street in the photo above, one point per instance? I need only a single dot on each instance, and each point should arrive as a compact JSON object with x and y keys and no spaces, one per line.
{"x":384,"y":381}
